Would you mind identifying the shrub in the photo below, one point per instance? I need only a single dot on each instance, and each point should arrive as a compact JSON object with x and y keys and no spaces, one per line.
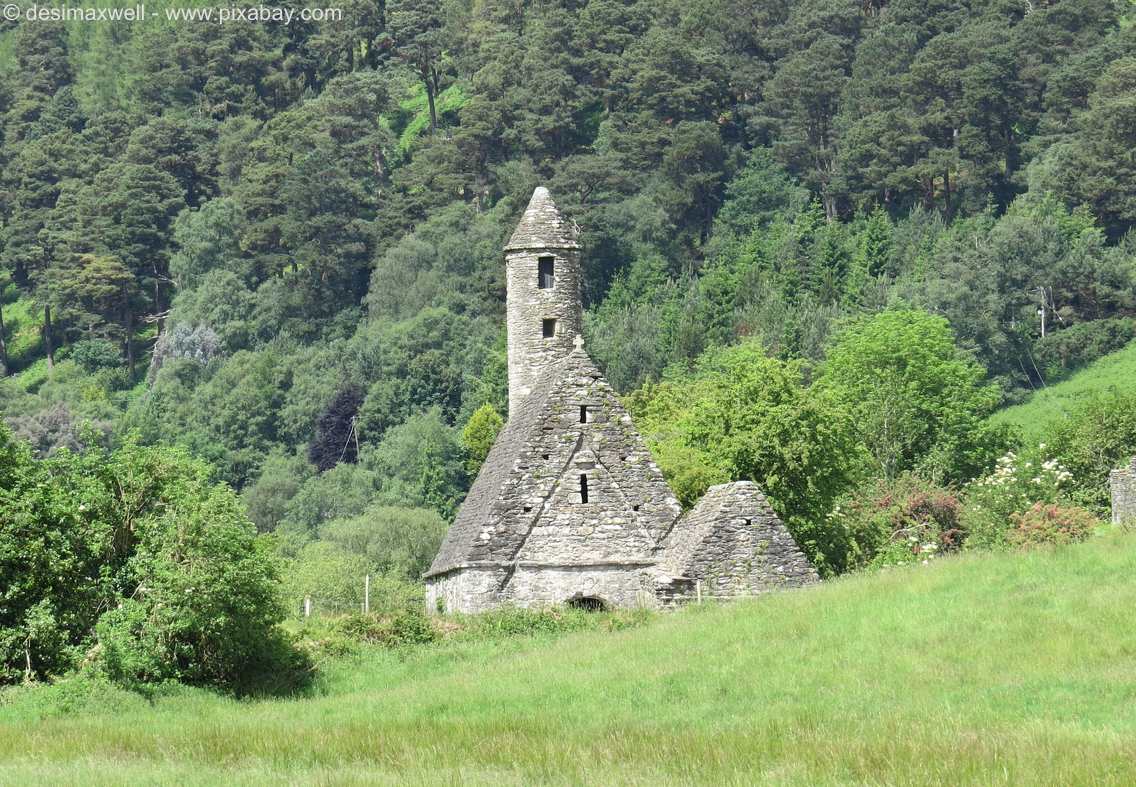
{"x":1049,"y":523}
{"x":398,"y":541}
{"x":1016,"y":483}
{"x":515,"y":621}
{"x":402,"y":628}
{"x":133,"y":558}
{"x":204,"y":603}
{"x":96,"y":354}
{"x":1096,"y":437}
{"x":902,"y":521}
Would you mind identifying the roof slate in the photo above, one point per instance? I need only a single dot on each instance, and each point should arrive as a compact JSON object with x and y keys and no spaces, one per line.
{"x":543,"y":226}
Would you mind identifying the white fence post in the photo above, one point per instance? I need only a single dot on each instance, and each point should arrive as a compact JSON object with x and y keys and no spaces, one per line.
{"x":698,"y":589}
{"x":307,"y":606}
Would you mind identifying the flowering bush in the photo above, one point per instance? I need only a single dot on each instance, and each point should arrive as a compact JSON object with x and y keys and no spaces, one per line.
{"x":1015,"y":485}
{"x":903,"y":521}
{"x":1049,"y":523}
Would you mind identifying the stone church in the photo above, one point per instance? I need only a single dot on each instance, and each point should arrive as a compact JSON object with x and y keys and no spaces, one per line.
{"x":569,"y":508}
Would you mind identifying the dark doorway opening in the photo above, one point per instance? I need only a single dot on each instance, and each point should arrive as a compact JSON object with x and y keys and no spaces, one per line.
{"x":587,"y":603}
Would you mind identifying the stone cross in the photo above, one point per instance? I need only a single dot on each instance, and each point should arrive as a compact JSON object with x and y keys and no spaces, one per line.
{"x":578,"y":342}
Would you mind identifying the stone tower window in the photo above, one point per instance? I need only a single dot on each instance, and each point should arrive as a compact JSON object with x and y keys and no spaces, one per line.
{"x":545,"y":275}
{"x":548,"y":327}
{"x":583,"y":488}
{"x":583,"y":413}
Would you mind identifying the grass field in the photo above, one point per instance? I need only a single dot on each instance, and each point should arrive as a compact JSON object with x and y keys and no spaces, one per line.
{"x":987,"y":669}
{"x":1035,"y":417}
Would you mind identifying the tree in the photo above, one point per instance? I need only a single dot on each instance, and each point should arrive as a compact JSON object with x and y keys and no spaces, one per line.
{"x":917,"y":400}
{"x":1097,"y":166}
{"x":397,"y":541}
{"x":136,"y":551}
{"x":478,"y":436}
{"x":741,"y":415}
{"x":804,"y":98}
{"x":337,"y":431}
{"x":416,"y":26}
{"x":128,"y":212}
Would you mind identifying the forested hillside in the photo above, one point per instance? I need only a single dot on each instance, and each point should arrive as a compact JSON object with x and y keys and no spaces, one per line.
{"x":823,"y":239}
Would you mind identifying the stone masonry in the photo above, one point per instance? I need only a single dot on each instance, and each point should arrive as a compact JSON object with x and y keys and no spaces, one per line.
{"x":1123,"y":483}
{"x":542,"y":233}
{"x":569,"y":506}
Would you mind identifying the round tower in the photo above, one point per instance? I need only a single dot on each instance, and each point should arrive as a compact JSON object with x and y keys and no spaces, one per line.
{"x":542,"y":274}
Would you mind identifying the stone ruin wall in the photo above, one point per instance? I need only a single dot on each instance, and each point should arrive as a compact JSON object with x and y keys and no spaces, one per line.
{"x":1123,"y":483}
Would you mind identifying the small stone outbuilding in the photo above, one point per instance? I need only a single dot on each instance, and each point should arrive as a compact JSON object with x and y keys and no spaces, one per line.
{"x":1123,"y":483}
{"x":569,"y":506}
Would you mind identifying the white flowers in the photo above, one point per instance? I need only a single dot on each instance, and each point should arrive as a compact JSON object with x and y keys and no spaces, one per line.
{"x":1047,"y":472}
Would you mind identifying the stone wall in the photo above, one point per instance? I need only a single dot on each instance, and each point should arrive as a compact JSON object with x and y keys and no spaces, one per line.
{"x":732,"y":544}
{"x":466,"y":590}
{"x":536,"y":585}
{"x":1123,"y":483}
{"x":530,"y":353}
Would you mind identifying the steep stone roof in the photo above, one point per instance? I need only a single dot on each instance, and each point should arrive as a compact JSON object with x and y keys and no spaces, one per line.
{"x":543,"y":226}
{"x":734,"y":540}
{"x":519,"y":507}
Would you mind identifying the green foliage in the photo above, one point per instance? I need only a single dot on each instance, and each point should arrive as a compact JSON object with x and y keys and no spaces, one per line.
{"x":1050,"y":524}
{"x":1016,"y":484}
{"x":398,"y":541}
{"x":96,"y":354}
{"x":135,"y":560}
{"x":742,"y":415}
{"x":907,"y":520}
{"x":478,"y":436}
{"x":405,"y":628}
{"x":421,"y":464}
{"x":1094,"y":438}
{"x":918,"y":401}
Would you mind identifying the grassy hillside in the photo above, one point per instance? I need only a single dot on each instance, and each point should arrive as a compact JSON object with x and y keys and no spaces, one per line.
{"x":983,"y":669}
{"x":1034,"y":417}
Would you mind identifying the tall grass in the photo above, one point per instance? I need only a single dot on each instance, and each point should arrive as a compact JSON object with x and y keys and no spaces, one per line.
{"x":988,"y":669}
{"x":1035,"y":418}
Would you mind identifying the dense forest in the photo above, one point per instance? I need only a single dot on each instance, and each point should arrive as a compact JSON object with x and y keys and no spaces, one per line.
{"x":823,"y":241}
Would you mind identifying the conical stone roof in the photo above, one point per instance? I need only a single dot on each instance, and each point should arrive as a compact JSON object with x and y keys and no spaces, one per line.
{"x":543,"y":226}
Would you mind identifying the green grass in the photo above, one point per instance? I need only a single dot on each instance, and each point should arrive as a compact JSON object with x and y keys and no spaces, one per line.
{"x":985,"y":669}
{"x":23,"y":321}
{"x":1035,"y":418}
{"x":418,"y":108}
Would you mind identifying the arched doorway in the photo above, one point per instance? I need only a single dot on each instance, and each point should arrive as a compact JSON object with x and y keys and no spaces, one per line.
{"x":587,"y":603}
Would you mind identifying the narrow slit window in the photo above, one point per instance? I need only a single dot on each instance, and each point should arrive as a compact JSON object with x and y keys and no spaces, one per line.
{"x":583,"y":488}
{"x":546,"y":273}
{"x":583,"y":413}
{"x":548,"y":327}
